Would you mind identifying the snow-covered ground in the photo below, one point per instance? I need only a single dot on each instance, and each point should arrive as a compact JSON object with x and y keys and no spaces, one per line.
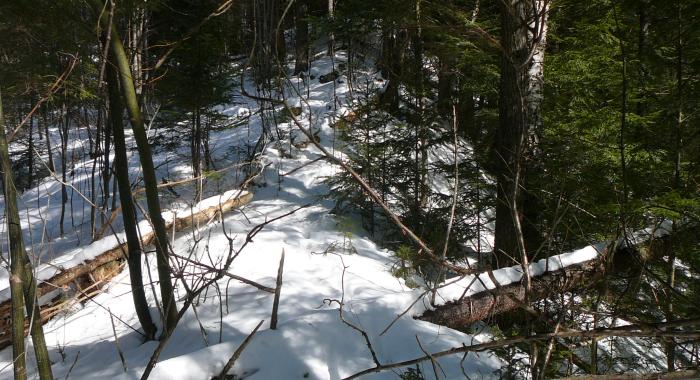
{"x":327,"y":260}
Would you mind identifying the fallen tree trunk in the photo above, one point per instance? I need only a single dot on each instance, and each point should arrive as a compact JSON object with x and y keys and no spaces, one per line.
{"x":684,"y":374}
{"x":96,"y":272}
{"x":487,"y":304}
{"x":613,"y":258}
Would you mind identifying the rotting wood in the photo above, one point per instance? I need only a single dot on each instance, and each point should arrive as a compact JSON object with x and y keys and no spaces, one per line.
{"x":99,"y":270}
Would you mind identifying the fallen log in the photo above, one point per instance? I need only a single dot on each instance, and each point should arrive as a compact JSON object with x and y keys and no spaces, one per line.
{"x":94,"y":273}
{"x":683,"y":374}
{"x":498,"y":298}
{"x":487,"y":304}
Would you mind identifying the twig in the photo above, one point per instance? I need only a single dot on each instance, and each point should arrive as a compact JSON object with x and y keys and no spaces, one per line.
{"x":647,"y":330}
{"x":51,"y":91}
{"x":227,"y":274}
{"x":116,"y":342}
{"x":220,"y":274}
{"x":237,"y":353}
{"x":72,"y":365}
{"x":304,"y":165}
{"x":278,"y":290}
{"x":202,"y":330}
{"x":341,"y":303}
{"x":433,"y":361}
{"x":455,"y":192}
{"x":548,"y":354}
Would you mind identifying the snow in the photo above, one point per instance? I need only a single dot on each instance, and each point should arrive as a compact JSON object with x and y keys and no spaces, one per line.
{"x":311,"y":340}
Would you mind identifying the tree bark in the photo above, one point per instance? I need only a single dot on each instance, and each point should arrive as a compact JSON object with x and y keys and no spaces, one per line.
{"x":487,"y":304}
{"x":49,"y":150}
{"x":96,"y":267}
{"x":393,"y":52}
{"x":512,"y":131}
{"x":127,"y":206}
{"x":106,"y":172}
{"x":523,"y":30}
{"x":268,"y":43}
{"x":196,"y":143}
{"x":614,"y":258}
{"x":30,"y":150}
{"x":16,"y":260}
{"x":64,"y":162}
{"x":119,"y":58}
{"x":301,"y":42}
{"x":445,"y":85}
{"x":22,"y":284}
{"x":331,"y":36}
{"x":643,"y":56}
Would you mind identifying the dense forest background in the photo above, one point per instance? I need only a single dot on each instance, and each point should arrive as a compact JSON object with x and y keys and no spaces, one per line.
{"x":476,"y":135}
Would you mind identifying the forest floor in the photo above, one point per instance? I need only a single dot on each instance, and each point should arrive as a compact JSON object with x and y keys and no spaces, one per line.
{"x":329,"y":261}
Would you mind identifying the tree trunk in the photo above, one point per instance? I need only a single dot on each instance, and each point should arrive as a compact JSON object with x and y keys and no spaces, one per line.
{"x":670,"y":345}
{"x":466,"y":112}
{"x":22,"y":283}
{"x":268,"y":43}
{"x":487,"y":304}
{"x":64,"y":161}
{"x":680,"y":104}
{"x":127,"y":205}
{"x":623,"y":128}
{"x":624,"y":260}
{"x":423,"y":124}
{"x":519,"y":116}
{"x":208,"y":162}
{"x":30,"y":150}
{"x":301,"y":42}
{"x":121,"y":61}
{"x":642,"y":53}
{"x":532,"y":206}
{"x":49,"y":151}
{"x":136,"y":44}
{"x":331,"y":36}
{"x":197,"y":151}
{"x":393,"y":47}
{"x":106,"y":172}
{"x":95,"y":153}
{"x":445,"y":85}
{"x":16,"y":259}
{"x":512,"y":131}
{"x":196,"y":143}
